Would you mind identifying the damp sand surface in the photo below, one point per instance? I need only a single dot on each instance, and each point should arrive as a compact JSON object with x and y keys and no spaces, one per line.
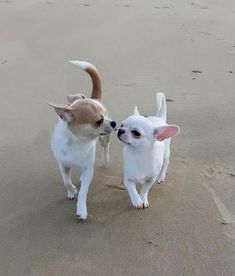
{"x":187,"y":51}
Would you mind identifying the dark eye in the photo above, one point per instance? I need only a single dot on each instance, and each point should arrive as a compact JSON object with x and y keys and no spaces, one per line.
{"x":135,"y":134}
{"x":98,"y":123}
{"x":121,"y":125}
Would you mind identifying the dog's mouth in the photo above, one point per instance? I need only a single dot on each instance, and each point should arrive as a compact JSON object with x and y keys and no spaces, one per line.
{"x":107,"y":130}
{"x":121,"y":139}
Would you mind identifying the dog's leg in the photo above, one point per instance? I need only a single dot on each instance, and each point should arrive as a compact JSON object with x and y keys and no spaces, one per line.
{"x":87,"y":176}
{"x":166,"y":160}
{"x":81,"y":177}
{"x":105,"y":141}
{"x":144,"y":192}
{"x":135,"y":197}
{"x":66,"y":175}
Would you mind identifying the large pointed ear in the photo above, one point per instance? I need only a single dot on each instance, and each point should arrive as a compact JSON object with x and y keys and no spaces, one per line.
{"x":65,"y":112}
{"x":136,"y":112}
{"x":164,"y":132}
{"x":73,"y":97}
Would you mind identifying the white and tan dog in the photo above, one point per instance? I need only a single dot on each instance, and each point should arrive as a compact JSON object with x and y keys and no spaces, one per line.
{"x":146,"y":151}
{"x":81,"y":123}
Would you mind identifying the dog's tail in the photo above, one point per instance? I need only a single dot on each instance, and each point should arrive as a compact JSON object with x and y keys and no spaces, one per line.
{"x":95,"y":77}
{"x":161,"y":106}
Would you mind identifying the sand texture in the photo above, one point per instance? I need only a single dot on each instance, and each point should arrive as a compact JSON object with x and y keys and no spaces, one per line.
{"x":185,"y":49}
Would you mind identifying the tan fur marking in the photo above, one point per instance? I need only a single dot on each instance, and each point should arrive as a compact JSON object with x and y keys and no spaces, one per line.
{"x":96,"y":82}
{"x":86,"y":112}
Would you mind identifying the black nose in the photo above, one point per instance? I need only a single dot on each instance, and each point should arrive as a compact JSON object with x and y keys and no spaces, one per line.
{"x":121,"y":131}
{"x":113,"y":124}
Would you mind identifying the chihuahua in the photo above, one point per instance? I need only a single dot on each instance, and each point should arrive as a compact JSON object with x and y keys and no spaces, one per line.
{"x":146,"y":151}
{"x":81,"y":123}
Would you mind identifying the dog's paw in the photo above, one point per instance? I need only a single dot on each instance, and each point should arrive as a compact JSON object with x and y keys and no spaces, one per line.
{"x":105,"y":164}
{"x":137,"y":203}
{"x":161,"y":179}
{"x":72,"y":193}
{"x":139,"y":207}
{"x":145,"y":204}
{"x":82,"y":217}
{"x":82,"y":213}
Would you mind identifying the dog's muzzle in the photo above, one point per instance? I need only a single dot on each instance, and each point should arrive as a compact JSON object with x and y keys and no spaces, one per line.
{"x":122,"y":136}
{"x":109,"y":128}
{"x":120,"y":132}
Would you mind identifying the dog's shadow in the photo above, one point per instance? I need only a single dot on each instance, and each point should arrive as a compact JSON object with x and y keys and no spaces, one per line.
{"x":38,"y":221}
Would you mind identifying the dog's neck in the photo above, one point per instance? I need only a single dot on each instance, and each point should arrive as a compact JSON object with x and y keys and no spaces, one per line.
{"x":141,"y":152}
{"x":78,"y":132}
{"x":140,"y":149}
{"x":139,"y":162}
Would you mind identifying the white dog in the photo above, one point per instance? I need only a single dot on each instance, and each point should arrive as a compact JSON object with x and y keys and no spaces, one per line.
{"x":146,"y":151}
{"x":81,"y":123}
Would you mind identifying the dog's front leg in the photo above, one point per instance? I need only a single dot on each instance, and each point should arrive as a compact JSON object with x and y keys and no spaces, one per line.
{"x":135,"y":197}
{"x":166,"y":160}
{"x":144,"y":192}
{"x":87,"y":176}
{"x":66,"y":175}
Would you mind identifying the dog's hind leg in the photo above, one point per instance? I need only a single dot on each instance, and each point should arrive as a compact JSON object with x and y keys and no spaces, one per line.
{"x":105,"y":142}
{"x":166,"y":161}
{"x":66,"y":175}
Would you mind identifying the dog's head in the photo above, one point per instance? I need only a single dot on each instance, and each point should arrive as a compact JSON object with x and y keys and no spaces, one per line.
{"x":137,"y":131}
{"x":86,"y":117}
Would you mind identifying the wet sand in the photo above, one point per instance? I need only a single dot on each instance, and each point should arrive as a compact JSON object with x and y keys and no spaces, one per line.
{"x":185,"y":50}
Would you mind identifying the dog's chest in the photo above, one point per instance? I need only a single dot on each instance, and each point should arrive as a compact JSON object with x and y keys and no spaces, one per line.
{"x":142,"y":180}
{"x":141,"y":168}
{"x":71,"y":150}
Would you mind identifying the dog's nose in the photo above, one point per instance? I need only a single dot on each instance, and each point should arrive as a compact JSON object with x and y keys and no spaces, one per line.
{"x":113,"y":124}
{"x":121,"y":131}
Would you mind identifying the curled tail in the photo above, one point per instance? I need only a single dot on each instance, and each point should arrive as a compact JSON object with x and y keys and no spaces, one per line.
{"x":161,"y":106}
{"x":95,"y":77}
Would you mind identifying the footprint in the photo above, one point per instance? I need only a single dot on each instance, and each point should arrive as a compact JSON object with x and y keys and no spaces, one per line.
{"x":197,"y":71}
{"x":199,"y":6}
{"x":6,"y":1}
{"x":4,"y":61}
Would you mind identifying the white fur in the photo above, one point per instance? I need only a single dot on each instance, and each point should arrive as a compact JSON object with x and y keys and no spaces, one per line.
{"x":75,"y":145}
{"x":73,"y":151}
{"x":78,"y":150}
{"x":146,"y":157}
{"x":82,"y":64}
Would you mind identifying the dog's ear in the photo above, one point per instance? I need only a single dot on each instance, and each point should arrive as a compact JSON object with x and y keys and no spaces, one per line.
{"x":136,"y":112}
{"x":65,"y":112}
{"x":164,"y":132}
{"x":73,"y":97}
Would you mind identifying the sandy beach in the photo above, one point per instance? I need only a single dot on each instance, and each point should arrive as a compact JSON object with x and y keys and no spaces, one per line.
{"x":187,"y":51}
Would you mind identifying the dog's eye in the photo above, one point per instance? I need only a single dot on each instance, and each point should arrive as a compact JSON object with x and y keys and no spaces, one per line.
{"x":98,"y":123}
{"x":135,"y":134}
{"x":121,"y":125}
